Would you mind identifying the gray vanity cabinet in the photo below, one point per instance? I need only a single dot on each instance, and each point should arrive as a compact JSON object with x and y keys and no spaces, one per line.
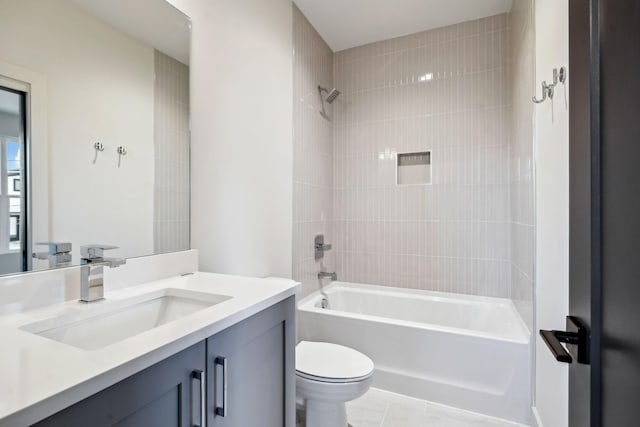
{"x":251,"y":371}
{"x":159,"y":396}
{"x":249,"y":374}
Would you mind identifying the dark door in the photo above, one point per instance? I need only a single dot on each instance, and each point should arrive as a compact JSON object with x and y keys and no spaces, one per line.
{"x":619,"y":37}
{"x":583,"y":210}
{"x":604,"y":50}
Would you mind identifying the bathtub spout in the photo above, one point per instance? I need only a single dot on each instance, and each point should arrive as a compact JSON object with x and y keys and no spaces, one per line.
{"x":324,"y":303}
{"x":324,"y":274}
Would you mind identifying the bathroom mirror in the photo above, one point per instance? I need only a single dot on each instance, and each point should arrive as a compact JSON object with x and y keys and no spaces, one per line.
{"x":94,"y":129}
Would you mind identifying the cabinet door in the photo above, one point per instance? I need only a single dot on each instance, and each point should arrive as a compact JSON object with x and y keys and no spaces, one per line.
{"x":166,"y":394}
{"x":251,"y":371}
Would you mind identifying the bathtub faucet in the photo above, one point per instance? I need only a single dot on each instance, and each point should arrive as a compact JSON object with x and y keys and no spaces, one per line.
{"x":324,"y":302}
{"x":327,"y":275}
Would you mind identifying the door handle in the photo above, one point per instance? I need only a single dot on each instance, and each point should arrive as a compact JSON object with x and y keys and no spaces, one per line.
{"x":552,"y":339}
{"x":576,"y":337}
{"x":222,"y":410}
{"x":199,"y":376}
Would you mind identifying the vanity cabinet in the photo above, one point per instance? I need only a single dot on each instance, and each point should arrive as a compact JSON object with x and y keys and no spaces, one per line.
{"x":247,"y":374}
{"x":251,"y":372}
{"x":159,"y":396}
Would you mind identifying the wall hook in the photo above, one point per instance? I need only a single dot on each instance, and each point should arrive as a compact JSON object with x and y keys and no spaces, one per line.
{"x":545,"y":92}
{"x":121,"y":152}
{"x":548,"y":90}
{"x":98,"y":147}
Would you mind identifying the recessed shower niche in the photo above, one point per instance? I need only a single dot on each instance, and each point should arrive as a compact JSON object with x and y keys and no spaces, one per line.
{"x":413,"y":168}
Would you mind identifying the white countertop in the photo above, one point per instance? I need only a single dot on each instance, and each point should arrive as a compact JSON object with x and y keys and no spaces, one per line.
{"x":39,"y":376}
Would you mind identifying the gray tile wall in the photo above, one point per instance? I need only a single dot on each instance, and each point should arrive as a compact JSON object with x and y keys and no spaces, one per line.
{"x":171,"y":155}
{"x":312,"y":153}
{"x":461,"y":92}
{"x":445,"y":90}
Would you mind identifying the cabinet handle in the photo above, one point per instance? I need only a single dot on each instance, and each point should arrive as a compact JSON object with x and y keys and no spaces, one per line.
{"x":199,"y":376}
{"x":222,"y":410}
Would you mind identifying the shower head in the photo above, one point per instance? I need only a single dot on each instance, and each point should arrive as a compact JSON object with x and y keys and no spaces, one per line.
{"x":331,"y":95}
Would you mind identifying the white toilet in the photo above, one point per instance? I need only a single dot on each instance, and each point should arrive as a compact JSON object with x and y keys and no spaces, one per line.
{"x":328,"y":376}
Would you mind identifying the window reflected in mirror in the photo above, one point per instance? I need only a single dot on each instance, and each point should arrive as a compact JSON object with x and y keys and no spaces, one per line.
{"x":12,"y":197}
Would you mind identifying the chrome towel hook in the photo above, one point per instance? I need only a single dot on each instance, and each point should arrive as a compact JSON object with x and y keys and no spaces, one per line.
{"x":559,"y":76}
{"x":121,"y":152}
{"x":98,"y":147}
{"x":545,"y":91}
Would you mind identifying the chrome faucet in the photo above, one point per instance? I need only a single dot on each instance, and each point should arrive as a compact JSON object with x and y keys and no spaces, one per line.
{"x":327,"y":275}
{"x":59,"y":254}
{"x":92,"y":271}
{"x":324,"y":303}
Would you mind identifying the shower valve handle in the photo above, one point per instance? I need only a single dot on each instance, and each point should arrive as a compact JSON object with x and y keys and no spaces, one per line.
{"x":320,"y":247}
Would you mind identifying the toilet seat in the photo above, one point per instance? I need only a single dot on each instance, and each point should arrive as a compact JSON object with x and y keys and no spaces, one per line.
{"x":332,"y":380}
{"x":331,"y":363}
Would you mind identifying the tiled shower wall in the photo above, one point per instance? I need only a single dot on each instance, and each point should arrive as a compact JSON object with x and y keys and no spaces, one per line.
{"x":312,"y":152}
{"x":461,"y":92}
{"x":522,"y":61}
{"x":171,"y":155}
{"x":446,"y":91}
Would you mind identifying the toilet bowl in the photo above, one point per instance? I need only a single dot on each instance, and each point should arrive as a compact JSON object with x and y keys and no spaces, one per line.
{"x":328,"y":376}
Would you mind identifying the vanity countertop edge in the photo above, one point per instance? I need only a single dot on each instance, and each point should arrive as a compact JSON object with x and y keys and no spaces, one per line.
{"x":39,"y":376}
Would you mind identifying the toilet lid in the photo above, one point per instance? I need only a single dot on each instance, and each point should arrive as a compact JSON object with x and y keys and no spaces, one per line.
{"x":331,"y":362}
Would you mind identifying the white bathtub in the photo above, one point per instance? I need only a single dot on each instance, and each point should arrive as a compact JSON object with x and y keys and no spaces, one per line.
{"x":459,"y":350}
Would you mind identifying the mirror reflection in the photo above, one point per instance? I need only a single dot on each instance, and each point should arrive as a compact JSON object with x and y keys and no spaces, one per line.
{"x":94,"y":130}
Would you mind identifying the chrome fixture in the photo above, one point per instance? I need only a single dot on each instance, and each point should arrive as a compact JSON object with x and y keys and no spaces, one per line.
{"x":549,"y":89}
{"x":327,"y":275}
{"x":59,"y":254}
{"x":324,"y":302}
{"x":222,"y":411}
{"x":121,"y":152}
{"x":199,"y":376}
{"x":331,"y":94}
{"x":320,"y":247}
{"x":92,"y":270}
{"x":330,"y":98}
{"x":98,"y":147}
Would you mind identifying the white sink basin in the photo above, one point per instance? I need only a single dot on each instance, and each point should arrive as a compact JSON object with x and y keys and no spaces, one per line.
{"x":101,"y":324}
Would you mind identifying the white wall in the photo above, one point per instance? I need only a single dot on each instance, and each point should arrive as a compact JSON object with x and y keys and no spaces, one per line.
{"x":242,"y":147}
{"x":99,"y":88}
{"x":552,"y":225}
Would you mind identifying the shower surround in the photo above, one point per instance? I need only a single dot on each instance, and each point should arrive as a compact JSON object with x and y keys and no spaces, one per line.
{"x":312,"y":153}
{"x":450,"y":91}
{"x":446,"y":91}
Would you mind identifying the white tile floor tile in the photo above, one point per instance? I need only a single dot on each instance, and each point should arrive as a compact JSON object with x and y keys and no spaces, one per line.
{"x":380,"y":408}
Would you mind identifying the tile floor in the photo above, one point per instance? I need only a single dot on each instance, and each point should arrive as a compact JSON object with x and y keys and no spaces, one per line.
{"x":380,"y":408}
